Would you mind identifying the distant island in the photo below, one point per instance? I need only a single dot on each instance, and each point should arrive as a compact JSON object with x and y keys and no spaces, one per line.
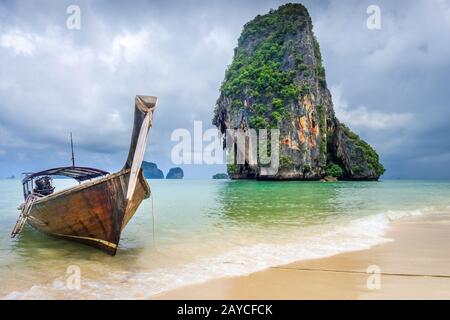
{"x":151,"y":170}
{"x":277,"y":80}
{"x":11,"y":177}
{"x":175,"y":173}
{"x":220,"y":176}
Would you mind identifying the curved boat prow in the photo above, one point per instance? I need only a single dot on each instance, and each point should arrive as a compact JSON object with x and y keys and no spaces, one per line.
{"x":143,"y":119}
{"x":144,"y":105}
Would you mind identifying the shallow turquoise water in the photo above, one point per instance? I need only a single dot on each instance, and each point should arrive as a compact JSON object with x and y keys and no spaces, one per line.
{"x":210,"y":228}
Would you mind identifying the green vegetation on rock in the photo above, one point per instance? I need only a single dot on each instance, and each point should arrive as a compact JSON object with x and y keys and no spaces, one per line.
{"x":219,"y":176}
{"x":334,"y":170}
{"x":286,"y":161}
{"x":370,"y":154}
{"x":231,"y":168}
{"x":259,"y":72}
{"x":304,"y":89}
{"x":320,"y":70}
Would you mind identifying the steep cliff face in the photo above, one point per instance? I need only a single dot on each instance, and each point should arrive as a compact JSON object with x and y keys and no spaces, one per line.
{"x":277,"y":80}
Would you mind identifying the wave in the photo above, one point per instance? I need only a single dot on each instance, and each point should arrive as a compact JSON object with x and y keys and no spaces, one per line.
{"x":318,"y":242}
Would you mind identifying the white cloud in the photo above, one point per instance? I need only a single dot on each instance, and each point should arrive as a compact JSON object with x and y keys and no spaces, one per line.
{"x":220,"y":39}
{"x":361,"y":116}
{"x":65,"y":86}
{"x":19,"y":42}
{"x":410,"y":36}
{"x":127,"y":47}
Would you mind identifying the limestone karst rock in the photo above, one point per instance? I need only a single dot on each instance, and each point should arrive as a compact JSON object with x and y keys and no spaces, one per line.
{"x":277,"y":80}
{"x":151,"y":170}
{"x":175,"y":173}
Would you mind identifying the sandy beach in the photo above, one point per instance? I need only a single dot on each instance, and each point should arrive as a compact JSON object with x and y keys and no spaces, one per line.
{"x":414,"y":265}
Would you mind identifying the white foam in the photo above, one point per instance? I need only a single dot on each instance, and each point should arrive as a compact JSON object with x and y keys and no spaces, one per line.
{"x":394,"y":215}
{"x":320,"y":241}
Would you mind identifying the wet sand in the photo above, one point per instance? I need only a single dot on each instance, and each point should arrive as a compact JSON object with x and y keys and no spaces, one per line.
{"x":415,"y":265}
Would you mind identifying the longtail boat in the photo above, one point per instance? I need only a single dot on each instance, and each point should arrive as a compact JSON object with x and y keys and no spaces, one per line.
{"x":95,"y":211}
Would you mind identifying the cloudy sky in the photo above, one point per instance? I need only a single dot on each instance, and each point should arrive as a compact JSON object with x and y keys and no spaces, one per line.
{"x":392,"y":86}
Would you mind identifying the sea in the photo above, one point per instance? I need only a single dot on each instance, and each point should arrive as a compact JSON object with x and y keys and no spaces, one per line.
{"x":191,"y":231}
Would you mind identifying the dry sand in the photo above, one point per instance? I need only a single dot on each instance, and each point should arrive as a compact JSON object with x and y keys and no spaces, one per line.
{"x":416,"y":265}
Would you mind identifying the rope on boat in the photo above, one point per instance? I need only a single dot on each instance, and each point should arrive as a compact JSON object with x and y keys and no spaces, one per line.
{"x":153,"y":220}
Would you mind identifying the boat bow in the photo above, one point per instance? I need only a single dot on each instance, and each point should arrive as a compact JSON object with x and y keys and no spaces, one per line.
{"x":143,"y":119}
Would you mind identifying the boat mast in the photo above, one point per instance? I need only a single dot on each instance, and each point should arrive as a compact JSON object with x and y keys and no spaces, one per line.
{"x":71,"y":146}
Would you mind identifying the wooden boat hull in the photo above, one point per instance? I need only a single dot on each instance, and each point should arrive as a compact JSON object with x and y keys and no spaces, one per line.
{"x":93,"y":213}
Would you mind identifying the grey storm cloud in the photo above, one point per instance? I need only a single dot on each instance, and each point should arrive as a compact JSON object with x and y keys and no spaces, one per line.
{"x":389,"y":85}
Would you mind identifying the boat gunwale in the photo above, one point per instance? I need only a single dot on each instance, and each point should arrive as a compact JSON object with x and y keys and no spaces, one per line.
{"x":88,"y":184}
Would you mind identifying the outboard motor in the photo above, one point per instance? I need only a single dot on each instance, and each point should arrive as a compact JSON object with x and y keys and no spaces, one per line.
{"x":44,"y":186}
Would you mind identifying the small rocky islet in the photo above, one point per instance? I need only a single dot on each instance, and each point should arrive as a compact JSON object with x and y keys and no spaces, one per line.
{"x":277,"y":80}
{"x":175,"y":173}
{"x":220,"y":176}
{"x":151,"y":171}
